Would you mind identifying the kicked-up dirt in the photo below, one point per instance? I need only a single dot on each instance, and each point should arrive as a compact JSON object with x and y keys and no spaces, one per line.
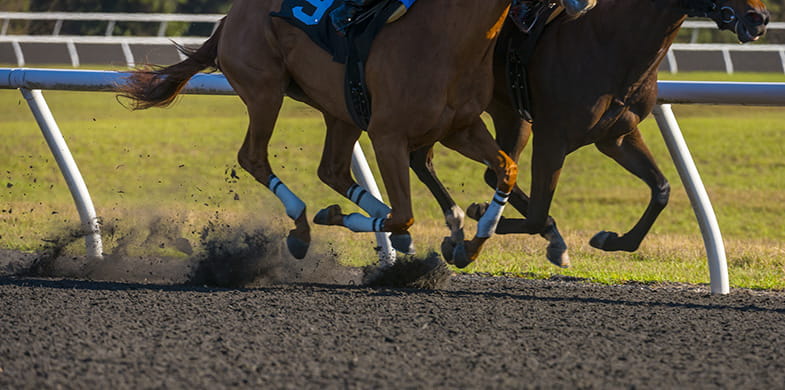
{"x":64,"y":328}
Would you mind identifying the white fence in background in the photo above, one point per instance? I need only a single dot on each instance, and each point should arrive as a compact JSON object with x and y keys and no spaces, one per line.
{"x":111,"y":19}
{"x":32,"y":81}
{"x":768,"y":57}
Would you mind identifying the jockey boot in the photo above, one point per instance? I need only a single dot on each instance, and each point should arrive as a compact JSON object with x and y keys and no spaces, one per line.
{"x":524,"y":13}
{"x":343,"y":16}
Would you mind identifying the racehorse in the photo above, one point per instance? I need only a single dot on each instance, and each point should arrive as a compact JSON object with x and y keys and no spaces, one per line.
{"x":589,"y":90}
{"x":430,"y":75}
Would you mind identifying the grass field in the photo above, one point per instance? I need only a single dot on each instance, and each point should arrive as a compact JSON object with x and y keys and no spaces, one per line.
{"x":174,"y":167}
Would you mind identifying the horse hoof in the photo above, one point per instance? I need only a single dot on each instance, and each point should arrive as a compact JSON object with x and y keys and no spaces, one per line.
{"x":476,"y":210}
{"x":402,"y":243}
{"x":558,"y":256}
{"x":297,"y":247}
{"x":460,"y":258}
{"x":600,"y":240}
{"x":448,"y":246}
{"x":326,"y":215}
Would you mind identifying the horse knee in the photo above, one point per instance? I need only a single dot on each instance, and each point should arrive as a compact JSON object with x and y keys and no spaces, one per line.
{"x":394,"y":226}
{"x":662,"y":195}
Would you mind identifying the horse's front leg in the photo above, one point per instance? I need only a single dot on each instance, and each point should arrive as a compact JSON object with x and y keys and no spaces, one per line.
{"x":556,"y":253}
{"x":477,"y":144}
{"x":421,"y":163}
{"x":547,"y":161}
{"x":633,"y":155}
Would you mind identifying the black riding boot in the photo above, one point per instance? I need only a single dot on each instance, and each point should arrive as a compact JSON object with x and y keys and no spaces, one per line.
{"x":343,"y":16}
{"x":523,"y":13}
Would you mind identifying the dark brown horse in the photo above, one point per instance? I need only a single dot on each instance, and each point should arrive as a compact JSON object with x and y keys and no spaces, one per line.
{"x":592,"y":81}
{"x":430,"y":75}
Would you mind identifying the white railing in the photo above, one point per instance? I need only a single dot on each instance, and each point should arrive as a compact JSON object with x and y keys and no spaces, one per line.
{"x":72,"y":43}
{"x":32,"y":81}
{"x":110,"y":18}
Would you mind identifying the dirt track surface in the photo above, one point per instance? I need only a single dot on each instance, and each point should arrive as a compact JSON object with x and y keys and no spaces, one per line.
{"x":479,"y":332}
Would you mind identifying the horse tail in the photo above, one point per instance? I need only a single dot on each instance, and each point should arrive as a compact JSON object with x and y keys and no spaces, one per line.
{"x":158,"y":86}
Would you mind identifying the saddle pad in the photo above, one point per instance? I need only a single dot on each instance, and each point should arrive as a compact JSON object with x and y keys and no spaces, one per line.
{"x":313,"y":17}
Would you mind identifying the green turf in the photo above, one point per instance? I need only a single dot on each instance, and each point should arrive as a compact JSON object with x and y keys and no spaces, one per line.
{"x":177,"y":164}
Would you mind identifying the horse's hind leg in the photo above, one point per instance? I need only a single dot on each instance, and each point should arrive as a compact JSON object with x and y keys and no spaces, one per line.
{"x":335,"y":171}
{"x":253,"y":157}
{"x":421,"y":163}
{"x":632,"y":154}
{"x":259,"y":79}
{"x":477,"y":144}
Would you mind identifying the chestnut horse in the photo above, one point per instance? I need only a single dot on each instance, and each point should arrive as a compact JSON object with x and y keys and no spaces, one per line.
{"x":589,"y":90}
{"x":430,"y":75}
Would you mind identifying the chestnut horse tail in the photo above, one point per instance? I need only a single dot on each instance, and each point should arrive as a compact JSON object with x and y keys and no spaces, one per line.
{"x":158,"y":86}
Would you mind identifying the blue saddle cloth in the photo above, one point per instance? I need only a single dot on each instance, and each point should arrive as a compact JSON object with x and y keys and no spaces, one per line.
{"x":313,"y":17}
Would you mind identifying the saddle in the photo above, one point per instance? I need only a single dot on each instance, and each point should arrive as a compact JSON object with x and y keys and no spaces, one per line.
{"x":311,"y":16}
{"x":518,"y":50}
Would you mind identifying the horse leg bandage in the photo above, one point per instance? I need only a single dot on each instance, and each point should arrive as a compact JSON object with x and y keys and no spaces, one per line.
{"x":294,"y":206}
{"x":361,"y":197}
{"x":359,"y":223}
{"x":487,"y":223}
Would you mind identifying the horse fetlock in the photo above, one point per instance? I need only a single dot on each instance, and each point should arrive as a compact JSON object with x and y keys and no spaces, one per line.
{"x":556,"y":253}
{"x":295,"y":207}
{"x":454,"y":218}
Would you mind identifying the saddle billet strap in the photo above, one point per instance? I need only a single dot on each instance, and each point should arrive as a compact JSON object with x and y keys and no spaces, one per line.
{"x":520,"y":50}
{"x":360,"y":38}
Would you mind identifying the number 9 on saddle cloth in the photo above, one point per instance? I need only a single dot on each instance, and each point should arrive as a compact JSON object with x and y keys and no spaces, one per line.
{"x":350,"y":47}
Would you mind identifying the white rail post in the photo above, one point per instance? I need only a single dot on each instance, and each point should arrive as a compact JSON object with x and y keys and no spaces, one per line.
{"x":362,"y":171}
{"x":712,"y":238}
{"x":76,"y":184}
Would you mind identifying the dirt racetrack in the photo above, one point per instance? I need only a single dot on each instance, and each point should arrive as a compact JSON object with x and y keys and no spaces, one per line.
{"x":472,"y":332}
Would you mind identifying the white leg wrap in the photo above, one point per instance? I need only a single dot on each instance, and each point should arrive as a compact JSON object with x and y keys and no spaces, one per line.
{"x":361,"y":197}
{"x":359,"y":223}
{"x":294,"y":206}
{"x":487,"y":223}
